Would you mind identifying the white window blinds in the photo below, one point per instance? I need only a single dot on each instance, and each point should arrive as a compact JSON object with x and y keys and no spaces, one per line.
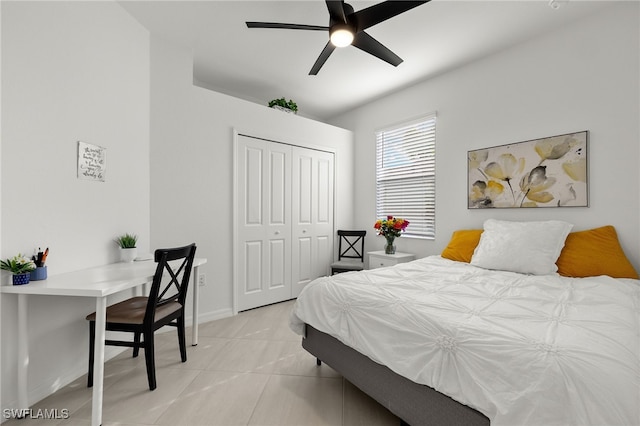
{"x":406,"y":175}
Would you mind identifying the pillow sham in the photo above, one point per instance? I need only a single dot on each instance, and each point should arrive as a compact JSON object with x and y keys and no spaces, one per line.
{"x":594,"y":252}
{"x":524,"y":247}
{"x":462,"y":244}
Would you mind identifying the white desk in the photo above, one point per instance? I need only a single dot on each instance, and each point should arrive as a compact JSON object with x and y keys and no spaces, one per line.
{"x":98,"y":282}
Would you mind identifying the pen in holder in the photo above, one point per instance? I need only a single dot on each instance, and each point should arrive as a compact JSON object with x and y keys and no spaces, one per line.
{"x":40,"y":273}
{"x":39,"y":257}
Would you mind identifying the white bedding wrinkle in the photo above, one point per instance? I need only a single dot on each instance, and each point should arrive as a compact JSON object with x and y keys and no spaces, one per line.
{"x":521,"y":349}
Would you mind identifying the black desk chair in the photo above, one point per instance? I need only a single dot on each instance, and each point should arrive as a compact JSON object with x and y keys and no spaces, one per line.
{"x":350,"y":252}
{"x":142,"y":316}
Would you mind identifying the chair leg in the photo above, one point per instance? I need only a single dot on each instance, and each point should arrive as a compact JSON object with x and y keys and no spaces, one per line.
{"x":149,"y":356}
{"x":92,"y":344}
{"x":181,"y":339}
{"x":136,"y":340}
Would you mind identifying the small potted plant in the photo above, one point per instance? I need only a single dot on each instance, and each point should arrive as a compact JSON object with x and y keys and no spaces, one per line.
{"x":20,"y":266}
{"x":283,"y":105}
{"x":128,"y":249}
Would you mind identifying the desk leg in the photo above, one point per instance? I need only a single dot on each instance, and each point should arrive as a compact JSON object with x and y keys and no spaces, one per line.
{"x":98,"y":362}
{"x":23,"y":352}
{"x":196,"y":296}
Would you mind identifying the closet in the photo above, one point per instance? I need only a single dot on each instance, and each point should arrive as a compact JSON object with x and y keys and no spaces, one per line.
{"x":283,"y":212}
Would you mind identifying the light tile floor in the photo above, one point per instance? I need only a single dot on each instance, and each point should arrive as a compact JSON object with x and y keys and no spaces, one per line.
{"x":249,"y":369}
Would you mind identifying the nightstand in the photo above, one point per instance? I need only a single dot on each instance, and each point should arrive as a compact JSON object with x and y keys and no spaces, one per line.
{"x":379,"y":259}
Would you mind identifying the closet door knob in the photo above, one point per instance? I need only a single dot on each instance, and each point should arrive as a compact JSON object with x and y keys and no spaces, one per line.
{"x":277,"y":232}
{"x":304,"y":231}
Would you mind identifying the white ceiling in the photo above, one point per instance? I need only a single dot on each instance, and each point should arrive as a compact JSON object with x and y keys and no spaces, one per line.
{"x":262,"y":64}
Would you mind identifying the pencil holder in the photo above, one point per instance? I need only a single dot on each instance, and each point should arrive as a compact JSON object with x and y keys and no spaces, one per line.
{"x":39,"y":273}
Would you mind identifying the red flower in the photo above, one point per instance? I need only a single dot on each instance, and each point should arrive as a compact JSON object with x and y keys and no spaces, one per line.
{"x":391,"y":227}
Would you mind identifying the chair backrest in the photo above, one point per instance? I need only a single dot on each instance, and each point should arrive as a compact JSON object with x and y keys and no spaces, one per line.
{"x":177,"y":262}
{"x":351,"y":244}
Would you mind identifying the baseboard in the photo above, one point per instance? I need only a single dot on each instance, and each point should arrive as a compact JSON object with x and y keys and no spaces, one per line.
{"x":213,"y":315}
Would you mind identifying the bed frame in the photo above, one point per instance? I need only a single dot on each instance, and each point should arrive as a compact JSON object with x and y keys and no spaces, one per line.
{"x":414,"y":404}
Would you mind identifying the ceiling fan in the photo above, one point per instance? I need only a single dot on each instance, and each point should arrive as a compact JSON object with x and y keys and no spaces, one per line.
{"x":346,"y":27}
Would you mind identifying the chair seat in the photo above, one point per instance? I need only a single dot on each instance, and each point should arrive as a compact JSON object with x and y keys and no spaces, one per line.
{"x":131,"y":311}
{"x":351,"y":265}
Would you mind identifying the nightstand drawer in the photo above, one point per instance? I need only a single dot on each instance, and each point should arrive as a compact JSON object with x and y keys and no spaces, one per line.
{"x":378,"y":259}
{"x":380,"y":262}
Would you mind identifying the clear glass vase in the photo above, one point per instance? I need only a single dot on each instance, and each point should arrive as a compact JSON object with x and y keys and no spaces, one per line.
{"x":389,"y":248}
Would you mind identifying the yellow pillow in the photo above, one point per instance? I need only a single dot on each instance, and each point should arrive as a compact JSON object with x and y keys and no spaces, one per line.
{"x":462,"y":245}
{"x":594,"y":252}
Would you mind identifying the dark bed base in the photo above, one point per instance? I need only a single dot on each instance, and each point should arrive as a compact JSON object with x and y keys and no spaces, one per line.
{"x":414,"y":404}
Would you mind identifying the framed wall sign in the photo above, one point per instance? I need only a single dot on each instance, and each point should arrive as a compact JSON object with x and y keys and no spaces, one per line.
{"x":546,"y":172}
{"x":92,"y":162}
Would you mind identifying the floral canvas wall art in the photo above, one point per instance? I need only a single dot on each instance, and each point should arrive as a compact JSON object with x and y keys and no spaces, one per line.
{"x":546,"y":172}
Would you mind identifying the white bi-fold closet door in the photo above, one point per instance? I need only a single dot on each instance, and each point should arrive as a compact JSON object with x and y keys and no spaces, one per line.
{"x":283,"y":220}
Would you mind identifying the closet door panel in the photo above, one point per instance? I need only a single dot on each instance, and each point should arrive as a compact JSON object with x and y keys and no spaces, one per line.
{"x":253,"y":256}
{"x":302,"y":180}
{"x":325,"y":191}
{"x":312,"y":215}
{"x":279,"y":202}
{"x":304,"y":265}
{"x":324,"y":230}
{"x":324,"y":247}
{"x":263,"y":207}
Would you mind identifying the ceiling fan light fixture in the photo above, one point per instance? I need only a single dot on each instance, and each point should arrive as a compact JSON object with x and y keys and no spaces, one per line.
{"x":341,"y":35}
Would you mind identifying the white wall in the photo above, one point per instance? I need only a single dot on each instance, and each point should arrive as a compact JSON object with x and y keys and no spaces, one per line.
{"x":71,"y":71}
{"x":192,"y":158}
{"x":88,"y":71}
{"x":581,"y":77}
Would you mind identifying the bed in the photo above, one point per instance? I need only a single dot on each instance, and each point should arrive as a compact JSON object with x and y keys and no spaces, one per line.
{"x":441,"y":341}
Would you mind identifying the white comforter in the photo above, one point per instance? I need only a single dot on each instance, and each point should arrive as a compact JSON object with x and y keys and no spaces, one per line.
{"x":523,"y":350}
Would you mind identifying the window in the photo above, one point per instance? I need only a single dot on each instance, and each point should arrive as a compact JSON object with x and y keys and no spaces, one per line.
{"x":406,"y":174}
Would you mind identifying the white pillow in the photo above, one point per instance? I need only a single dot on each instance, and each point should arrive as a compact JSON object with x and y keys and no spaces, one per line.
{"x":524,"y":247}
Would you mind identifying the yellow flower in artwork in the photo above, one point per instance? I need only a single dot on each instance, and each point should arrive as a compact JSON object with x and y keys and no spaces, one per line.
{"x":477,"y":157}
{"x":577,"y":170}
{"x":506,"y":167}
{"x":494,"y":189}
{"x":554,"y":148}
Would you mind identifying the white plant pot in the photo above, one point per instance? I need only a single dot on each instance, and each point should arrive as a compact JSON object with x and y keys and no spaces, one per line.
{"x":281,"y":108}
{"x":128,"y":254}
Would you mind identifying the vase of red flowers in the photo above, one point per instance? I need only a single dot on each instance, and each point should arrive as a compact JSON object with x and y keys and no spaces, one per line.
{"x":391,"y":228}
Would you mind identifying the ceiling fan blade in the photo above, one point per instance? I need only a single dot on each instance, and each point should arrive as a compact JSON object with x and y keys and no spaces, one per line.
{"x":324,"y":55}
{"x":336,"y":10}
{"x":380,"y":12}
{"x":365,"y":42}
{"x":286,"y":26}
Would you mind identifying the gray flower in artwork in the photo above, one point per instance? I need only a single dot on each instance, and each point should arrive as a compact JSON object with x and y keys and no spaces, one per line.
{"x":553,"y":149}
{"x":534,"y":186}
{"x":478,"y":197}
{"x":483,"y":194}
